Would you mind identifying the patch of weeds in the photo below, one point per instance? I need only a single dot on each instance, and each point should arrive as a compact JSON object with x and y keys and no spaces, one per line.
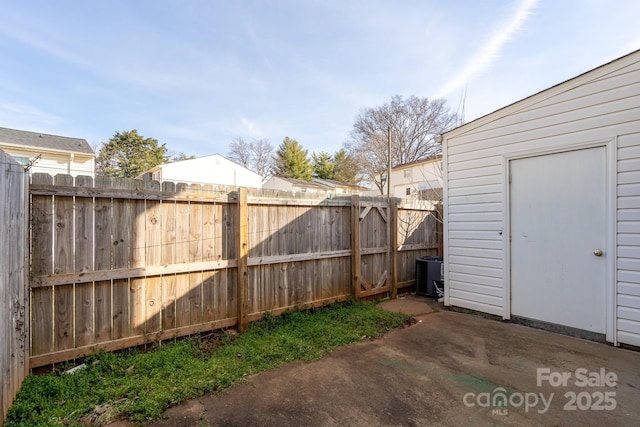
{"x":140,"y":385}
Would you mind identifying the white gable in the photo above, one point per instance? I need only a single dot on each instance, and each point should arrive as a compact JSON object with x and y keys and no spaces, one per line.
{"x":214,"y":169}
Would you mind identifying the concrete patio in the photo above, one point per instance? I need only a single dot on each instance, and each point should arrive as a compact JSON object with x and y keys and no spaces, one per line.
{"x":447,"y":369}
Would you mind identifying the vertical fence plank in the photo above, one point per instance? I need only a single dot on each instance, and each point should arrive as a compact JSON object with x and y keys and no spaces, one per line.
{"x":224,"y":299}
{"x":208,"y":236}
{"x":137,"y":304}
{"x":153,"y":288}
{"x":168,"y":284}
{"x":218,"y":229}
{"x":242,"y":251}
{"x":195,"y":231}
{"x":84,"y":299}
{"x":182,"y":233}
{"x":355,"y":246}
{"x":127,"y":313}
{"x":84,"y":227}
{"x":178,"y":287}
{"x":196,"y":284}
{"x":168,"y":213}
{"x":393,"y":247}
{"x":183,"y":305}
{"x":168,"y":256}
{"x":209,"y":297}
{"x":103,"y":252}
{"x":42,"y":264}
{"x":121,"y":319}
{"x":42,"y":216}
{"x":152,"y":302}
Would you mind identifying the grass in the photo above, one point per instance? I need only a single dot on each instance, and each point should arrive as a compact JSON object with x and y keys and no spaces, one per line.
{"x":139,"y":385}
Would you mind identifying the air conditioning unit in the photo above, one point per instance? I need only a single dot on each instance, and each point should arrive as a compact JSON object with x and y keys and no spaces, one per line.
{"x":430,"y":276}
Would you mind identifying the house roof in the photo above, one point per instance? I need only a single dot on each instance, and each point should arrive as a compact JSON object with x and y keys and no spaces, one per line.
{"x":303,"y":183}
{"x":437,"y":157}
{"x":508,"y":108}
{"x":44,"y":141}
{"x":333,"y":183}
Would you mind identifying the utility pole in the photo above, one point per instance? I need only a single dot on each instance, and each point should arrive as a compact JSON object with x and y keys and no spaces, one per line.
{"x":389,"y":161}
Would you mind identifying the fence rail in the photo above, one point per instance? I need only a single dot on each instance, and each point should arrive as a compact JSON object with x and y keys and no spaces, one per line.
{"x":118,"y":263}
{"x":14,"y":305}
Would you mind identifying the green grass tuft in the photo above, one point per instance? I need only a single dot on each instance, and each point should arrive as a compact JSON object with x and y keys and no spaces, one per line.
{"x":139,"y":386}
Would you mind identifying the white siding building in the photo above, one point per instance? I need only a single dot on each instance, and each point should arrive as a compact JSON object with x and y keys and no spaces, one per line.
{"x":214,"y":169}
{"x":421,"y":179}
{"x":542,"y":207}
{"x":50,"y":154}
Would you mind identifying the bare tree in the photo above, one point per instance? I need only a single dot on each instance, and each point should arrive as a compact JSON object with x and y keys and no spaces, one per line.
{"x":256,"y":155}
{"x":240,"y":152}
{"x":409,"y":125}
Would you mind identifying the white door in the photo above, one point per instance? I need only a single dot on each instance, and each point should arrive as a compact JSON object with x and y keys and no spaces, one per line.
{"x":558,"y":228}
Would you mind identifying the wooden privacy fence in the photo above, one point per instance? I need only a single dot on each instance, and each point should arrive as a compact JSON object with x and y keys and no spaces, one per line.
{"x":14,"y":305}
{"x":119,"y":263}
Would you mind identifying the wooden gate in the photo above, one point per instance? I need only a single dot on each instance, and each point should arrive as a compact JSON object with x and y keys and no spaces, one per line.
{"x":371,"y":240}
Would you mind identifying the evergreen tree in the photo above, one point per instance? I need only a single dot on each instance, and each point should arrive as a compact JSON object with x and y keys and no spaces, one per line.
{"x":292,"y":160}
{"x":128,"y":154}
{"x":323,"y":165}
{"x":346,"y":169}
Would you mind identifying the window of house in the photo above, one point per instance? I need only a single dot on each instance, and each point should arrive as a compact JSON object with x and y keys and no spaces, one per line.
{"x":156,"y":176}
{"x":407,"y":173}
{"x":408,"y":192}
{"x":24,"y":161}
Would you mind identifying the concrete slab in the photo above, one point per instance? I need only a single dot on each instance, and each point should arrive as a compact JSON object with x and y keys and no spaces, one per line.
{"x":410,"y":304}
{"x":449,"y":369}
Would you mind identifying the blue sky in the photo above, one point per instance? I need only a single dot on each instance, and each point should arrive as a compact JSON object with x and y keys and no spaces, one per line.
{"x":197,"y":74}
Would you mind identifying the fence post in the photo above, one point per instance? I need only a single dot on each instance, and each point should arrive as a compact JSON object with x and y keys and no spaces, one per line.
{"x":14,"y":283}
{"x":243,"y":250}
{"x":355,"y":245}
{"x":26,"y":351}
{"x":393,"y":246}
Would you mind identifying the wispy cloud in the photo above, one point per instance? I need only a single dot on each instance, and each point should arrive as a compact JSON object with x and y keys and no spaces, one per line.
{"x":24,"y":116}
{"x":490,"y":51}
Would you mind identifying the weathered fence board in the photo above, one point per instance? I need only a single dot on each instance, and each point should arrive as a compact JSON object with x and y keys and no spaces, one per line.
{"x":161,"y":261}
{"x":14,"y":297}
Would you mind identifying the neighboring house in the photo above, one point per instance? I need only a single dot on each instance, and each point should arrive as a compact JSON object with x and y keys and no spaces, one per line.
{"x":542,"y":207}
{"x":421,"y":179}
{"x":214,"y":169}
{"x":295,"y":185}
{"x":50,"y":154}
{"x":338,"y":188}
{"x":321,"y":186}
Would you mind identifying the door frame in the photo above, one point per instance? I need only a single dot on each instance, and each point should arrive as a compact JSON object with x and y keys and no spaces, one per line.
{"x":610,"y":146}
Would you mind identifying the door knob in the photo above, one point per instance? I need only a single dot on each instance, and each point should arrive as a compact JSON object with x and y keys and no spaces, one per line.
{"x":598,"y":252}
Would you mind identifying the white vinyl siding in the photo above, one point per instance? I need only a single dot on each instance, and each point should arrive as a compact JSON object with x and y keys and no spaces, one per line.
{"x":60,"y":164}
{"x":628,"y":239}
{"x":55,"y":163}
{"x":214,"y":169}
{"x":600,"y":106}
